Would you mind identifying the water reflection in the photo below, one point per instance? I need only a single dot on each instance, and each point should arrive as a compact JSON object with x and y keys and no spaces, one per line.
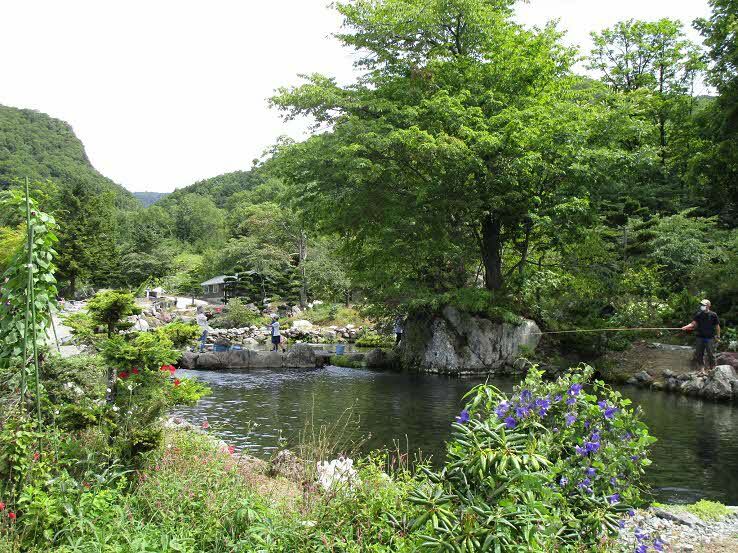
{"x":696,"y":455}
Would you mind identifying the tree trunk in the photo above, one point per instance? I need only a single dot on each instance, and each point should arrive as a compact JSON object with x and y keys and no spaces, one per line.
{"x":492,"y":252}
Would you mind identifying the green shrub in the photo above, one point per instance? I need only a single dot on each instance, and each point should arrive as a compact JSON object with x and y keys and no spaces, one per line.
{"x":374,"y":340}
{"x":84,"y":329}
{"x":476,"y":301}
{"x":345,"y":361}
{"x":708,"y":511}
{"x":180,"y":334}
{"x":237,"y":315}
{"x":549,"y":467}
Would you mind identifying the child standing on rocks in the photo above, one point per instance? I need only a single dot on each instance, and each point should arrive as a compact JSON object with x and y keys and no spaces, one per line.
{"x":276,"y":336}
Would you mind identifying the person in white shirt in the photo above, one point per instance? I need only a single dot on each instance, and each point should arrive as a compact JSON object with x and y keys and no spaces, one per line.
{"x":202,"y":322}
{"x":276,"y":336}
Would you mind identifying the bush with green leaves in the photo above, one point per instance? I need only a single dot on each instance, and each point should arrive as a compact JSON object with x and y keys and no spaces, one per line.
{"x":111,"y":307}
{"x":374,"y":340}
{"x":553,"y":466}
{"x":181,"y":334}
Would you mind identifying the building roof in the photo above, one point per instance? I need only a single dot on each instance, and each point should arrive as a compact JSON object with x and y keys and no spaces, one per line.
{"x":215,"y":280}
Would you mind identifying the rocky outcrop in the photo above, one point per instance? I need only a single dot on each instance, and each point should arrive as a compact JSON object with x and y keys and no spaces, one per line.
{"x":453,"y":342}
{"x":299,"y":356}
{"x":720,"y":385}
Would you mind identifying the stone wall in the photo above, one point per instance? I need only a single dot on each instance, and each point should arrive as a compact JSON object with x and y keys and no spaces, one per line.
{"x":453,"y":342}
{"x":299,"y":356}
{"x":300,"y":330}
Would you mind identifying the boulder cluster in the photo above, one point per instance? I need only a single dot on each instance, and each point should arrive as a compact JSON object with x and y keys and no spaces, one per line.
{"x":299,"y":331}
{"x":719,"y":384}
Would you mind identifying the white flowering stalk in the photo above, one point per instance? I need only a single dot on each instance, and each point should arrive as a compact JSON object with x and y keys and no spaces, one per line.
{"x":336,"y":472}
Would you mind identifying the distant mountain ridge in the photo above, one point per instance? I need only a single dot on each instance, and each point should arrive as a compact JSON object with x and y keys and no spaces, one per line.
{"x":149,"y":198}
{"x":40,"y":147}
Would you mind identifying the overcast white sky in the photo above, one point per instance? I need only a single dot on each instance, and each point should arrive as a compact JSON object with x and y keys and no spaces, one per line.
{"x":167,"y":92}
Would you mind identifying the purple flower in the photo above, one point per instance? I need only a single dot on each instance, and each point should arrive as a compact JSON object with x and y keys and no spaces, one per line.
{"x":591,"y":471}
{"x":580,"y":450}
{"x":602,"y":405}
{"x":586,"y":483}
{"x":587,"y":424}
{"x":641,"y":548}
{"x":631,"y":513}
{"x":463,"y":417}
{"x":634,"y":458}
{"x":592,"y":447}
{"x":571,"y":400}
{"x":575,"y":389}
{"x":640,"y":534}
{"x":557,"y":398}
{"x":522,"y":412}
{"x":613,"y":481}
{"x":502,"y":409}
{"x":510,"y":423}
{"x":525,"y":396}
{"x":543,"y":405}
{"x":621,"y":523}
{"x":564,"y":481}
{"x":555,"y":429}
{"x":614,"y":498}
{"x":570,"y":418}
{"x":610,"y":412}
{"x":658,"y":545}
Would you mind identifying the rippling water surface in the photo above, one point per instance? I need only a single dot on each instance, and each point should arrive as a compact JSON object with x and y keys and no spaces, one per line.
{"x":696,"y":455}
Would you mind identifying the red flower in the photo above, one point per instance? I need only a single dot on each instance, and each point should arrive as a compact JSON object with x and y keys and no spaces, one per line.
{"x":36,"y":455}
{"x":206,"y":424}
{"x":177,"y":382}
{"x":2,"y":506}
{"x":231,"y":449}
{"x":134,"y":370}
{"x":122,"y":375}
{"x":11,"y":515}
{"x":170,"y":368}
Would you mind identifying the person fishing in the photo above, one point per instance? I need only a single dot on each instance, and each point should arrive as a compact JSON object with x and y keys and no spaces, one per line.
{"x":707,"y":326}
{"x":276,"y":335}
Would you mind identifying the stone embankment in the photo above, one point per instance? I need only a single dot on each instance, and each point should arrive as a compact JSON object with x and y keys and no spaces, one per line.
{"x":671,"y":368}
{"x":680,"y":531}
{"x":300,"y":330}
{"x":299,"y":356}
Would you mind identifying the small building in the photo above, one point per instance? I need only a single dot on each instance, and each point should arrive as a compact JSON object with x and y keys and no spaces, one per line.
{"x":214,"y":288}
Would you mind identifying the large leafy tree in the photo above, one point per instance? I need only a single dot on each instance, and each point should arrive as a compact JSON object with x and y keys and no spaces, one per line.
{"x":464,"y":137}
{"x":655,"y":66}
{"x":716,"y":170}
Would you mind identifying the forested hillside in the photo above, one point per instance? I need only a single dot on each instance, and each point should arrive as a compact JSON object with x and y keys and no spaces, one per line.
{"x":39,"y":147}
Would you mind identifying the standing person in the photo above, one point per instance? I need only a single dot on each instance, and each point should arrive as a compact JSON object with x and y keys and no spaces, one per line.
{"x":276,"y":336}
{"x":707,"y":325}
{"x":398,"y":330}
{"x":202,"y":322}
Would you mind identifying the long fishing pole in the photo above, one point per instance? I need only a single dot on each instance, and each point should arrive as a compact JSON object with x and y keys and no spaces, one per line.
{"x":632,"y":329}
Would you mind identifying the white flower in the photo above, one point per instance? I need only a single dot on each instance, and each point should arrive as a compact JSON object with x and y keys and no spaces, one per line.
{"x":338,"y":471}
{"x":109,"y":390}
{"x":116,"y":408}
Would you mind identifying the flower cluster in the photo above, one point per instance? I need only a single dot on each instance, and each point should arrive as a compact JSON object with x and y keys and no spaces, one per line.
{"x":644,"y":542}
{"x":336,"y":473}
{"x":597,"y":446}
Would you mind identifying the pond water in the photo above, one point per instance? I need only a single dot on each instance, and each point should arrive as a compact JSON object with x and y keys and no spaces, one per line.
{"x":696,"y":455}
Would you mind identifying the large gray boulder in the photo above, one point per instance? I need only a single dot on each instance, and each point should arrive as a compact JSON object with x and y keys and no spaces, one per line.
{"x":453,"y":342}
{"x":720,"y":383}
{"x":299,"y":355}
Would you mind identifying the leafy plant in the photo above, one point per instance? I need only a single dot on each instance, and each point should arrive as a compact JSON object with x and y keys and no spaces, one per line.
{"x":180,"y":334}
{"x":548,"y":467}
